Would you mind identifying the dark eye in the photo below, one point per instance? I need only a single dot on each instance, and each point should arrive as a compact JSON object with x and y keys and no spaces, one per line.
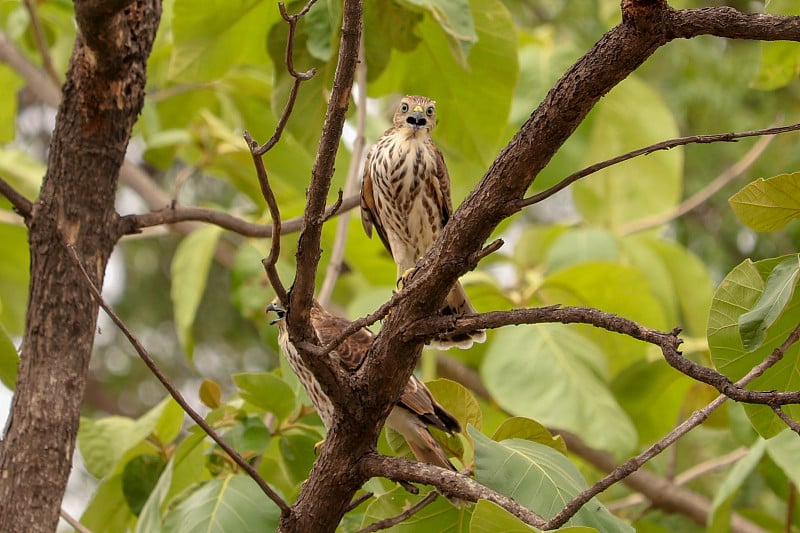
{"x":403,"y":107}
{"x":429,"y":111}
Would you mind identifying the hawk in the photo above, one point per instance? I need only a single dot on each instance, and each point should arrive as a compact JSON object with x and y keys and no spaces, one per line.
{"x":415,"y":410}
{"x":405,"y":196}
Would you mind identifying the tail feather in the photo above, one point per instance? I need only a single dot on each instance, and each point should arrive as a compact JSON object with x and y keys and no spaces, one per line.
{"x":458,"y":304}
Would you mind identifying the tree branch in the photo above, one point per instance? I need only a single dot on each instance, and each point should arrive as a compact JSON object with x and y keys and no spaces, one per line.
{"x":663,"y":145}
{"x":176,"y":395}
{"x":41,"y":41}
{"x":37,"y":81}
{"x":449,"y":482}
{"x":22,"y":206}
{"x":386,"y":523}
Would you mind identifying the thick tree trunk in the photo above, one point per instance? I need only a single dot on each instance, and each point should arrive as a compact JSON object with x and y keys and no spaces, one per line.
{"x":102,"y":97}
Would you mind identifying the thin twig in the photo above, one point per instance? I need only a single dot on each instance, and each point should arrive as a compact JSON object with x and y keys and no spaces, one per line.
{"x":358,"y":500}
{"x":386,"y":523}
{"x":176,"y":395}
{"x":794,"y":426}
{"x":337,"y":255}
{"x":663,"y":145}
{"x":73,"y":522}
{"x":22,"y":206}
{"x":730,"y":174}
{"x":271,"y":260}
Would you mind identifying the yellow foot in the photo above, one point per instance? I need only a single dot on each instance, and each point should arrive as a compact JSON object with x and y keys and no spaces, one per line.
{"x":318,"y":446}
{"x":405,"y":276}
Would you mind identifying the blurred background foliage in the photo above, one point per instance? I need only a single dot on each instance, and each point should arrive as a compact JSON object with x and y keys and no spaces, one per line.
{"x":197,"y":301}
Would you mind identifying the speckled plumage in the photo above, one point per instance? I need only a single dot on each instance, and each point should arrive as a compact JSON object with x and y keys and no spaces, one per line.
{"x":415,"y":410}
{"x":405,"y":196}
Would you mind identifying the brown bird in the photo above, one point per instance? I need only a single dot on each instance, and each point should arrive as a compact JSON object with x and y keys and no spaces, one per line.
{"x":405,"y":196}
{"x":415,"y":410}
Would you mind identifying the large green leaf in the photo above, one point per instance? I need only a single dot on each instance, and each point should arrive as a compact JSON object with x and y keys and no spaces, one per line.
{"x":11,"y":83}
{"x":455,"y":18}
{"x":150,"y":518}
{"x":108,"y":511}
{"x":581,"y":245}
{"x":768,"y":204}
{"x":551,"y":374}
{"x":739,"y":293}
{"x":540,"y":478}
{"x":231,"y":503}
{"x":9,"y":360}
{"x":488,"y":517}
{"x":784,"y":449}
{"x":643,"y":186}
{"x":209,"y":36}
{"x":780,"y":62}
{"x":469,"y":123}
{"x":613,"y":288}
{"x":105,"y":441}
{"x":266,"y":391}
{"x":778,"y":291}
{"x":139,"y":477}
{"x":518,"y":427}
{"x":14,"y":278}
{"x":189,"y":270}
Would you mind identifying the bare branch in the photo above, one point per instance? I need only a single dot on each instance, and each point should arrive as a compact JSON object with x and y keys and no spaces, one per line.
{"x":22,"y":206}
{"x":358,"y":501}
{"x":337,"y":255}
{"x":176,"y":395}
{"x":697,"y":199}
{"x":73,"y":522}
{"x":727,"y":22}
{"x":794,"y":426}
{"x":663,"y":145}
{"x":386,"y":523}
{"x":292,"y":20}
{"x":449,"y":482}
{"x":37,"y":81}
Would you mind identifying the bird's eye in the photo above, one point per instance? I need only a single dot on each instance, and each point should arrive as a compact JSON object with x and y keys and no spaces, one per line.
{"x":429,"y":111}
{"x":403,"y":107}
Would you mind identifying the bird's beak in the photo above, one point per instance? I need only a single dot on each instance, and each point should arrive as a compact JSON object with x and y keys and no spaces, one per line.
{"x":417,"y":119}
{"x":281,"y":312}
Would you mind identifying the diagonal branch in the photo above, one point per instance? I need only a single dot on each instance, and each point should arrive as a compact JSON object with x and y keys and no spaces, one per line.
{"x":176,"y":395}
{"x":663,"y":145}
{"x":22,"y":206}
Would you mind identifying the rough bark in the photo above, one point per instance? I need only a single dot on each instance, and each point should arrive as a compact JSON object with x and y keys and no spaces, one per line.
{"x":102,"y":97}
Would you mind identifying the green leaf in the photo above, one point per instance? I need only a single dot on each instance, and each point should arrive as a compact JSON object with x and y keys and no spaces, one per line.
{"x":540,"y":478}
{"x":14,"y":278}
{"x":11,"y":82}
{"x":232,"y":503}
{"x":139,"y":478}
{"x":189,"y":270}
{"x":768,"y":204}
{"x":210,"y":393}
{"x":321,"y":23}
{"x":388,"y":25}
{"x":784,"y":449}
{"x":777,"y":293}
{"x":266,"y":391}
{"x":719,"y":515}
{"x":518,"y":427}
{"x":488,"y":517}
{"x":107,"y":511}
{"x":150,"y":518}
{"x":555,"y":376}
{"x":105,"y":441}
{"x":22,"y":171}
{"x":640,"y":187}
{"x":581,"y":245}
{"x":208,"y":36}
{"x":737,"y":294}
{"x":455,"y":18}
{"x":298,"y":453}
{"x":9,"y":360}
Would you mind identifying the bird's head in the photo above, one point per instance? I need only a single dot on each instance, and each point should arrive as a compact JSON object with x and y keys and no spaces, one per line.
{"x":417,"y":113}
{"x":279,"y":310}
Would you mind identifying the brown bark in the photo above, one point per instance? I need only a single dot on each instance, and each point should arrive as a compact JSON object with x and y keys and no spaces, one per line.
{"x":102,"y":97}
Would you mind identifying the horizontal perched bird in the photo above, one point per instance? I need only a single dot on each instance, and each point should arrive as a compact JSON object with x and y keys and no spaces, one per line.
{"x":405,"y":196}
{"x":415,"y":410}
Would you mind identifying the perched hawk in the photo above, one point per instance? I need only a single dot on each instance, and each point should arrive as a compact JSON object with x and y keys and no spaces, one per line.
{"x":415,"y":410}
{"x":405,"y":196}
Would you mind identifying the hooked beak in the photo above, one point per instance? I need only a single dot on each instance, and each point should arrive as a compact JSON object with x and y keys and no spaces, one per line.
{"x":280,"y":311}
{"x":416,"y":119}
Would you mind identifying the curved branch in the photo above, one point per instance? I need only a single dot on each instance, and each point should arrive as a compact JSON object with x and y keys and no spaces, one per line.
{"x":386,"y":523}
{"x":447,"y":481}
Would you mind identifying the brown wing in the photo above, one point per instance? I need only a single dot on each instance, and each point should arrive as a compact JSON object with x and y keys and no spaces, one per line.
{"x":418,"y":399}
{"x":444,"y":184}
{"x":352,"y":351}
{"x":369,"y":213}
